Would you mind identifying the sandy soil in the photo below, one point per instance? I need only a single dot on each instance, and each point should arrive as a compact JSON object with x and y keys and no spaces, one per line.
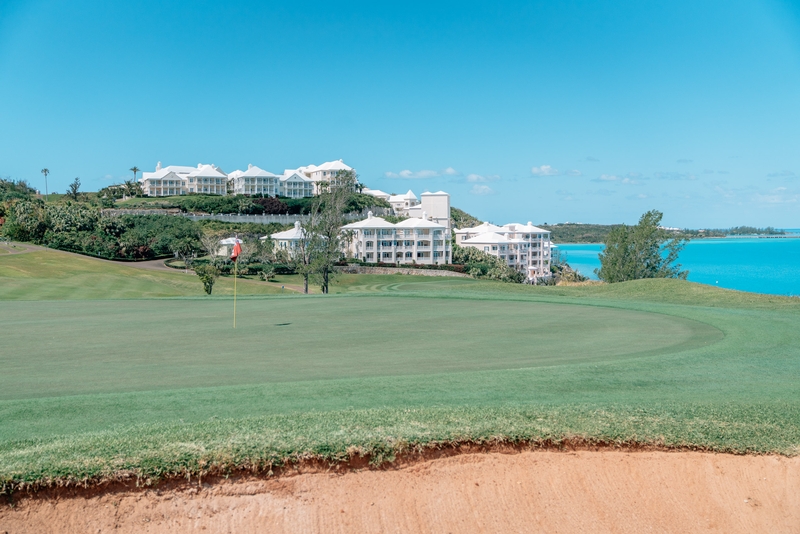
{"x":491,"y":492}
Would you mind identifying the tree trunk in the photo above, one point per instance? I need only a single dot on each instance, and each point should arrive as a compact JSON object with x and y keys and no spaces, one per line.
{"x":305,"y":284}
{"x":325,"y":280}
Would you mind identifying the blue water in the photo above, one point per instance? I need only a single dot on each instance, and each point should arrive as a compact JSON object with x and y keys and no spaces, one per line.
{"x":747,"y":264}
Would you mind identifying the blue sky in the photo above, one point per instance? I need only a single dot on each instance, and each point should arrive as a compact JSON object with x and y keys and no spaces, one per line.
{"x":541,"y":111}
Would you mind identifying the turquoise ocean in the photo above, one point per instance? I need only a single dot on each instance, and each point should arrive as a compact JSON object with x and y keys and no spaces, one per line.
{"x":760,"y":265}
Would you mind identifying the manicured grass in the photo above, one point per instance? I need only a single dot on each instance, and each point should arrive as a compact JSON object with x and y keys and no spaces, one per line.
{"x":157,"y":386}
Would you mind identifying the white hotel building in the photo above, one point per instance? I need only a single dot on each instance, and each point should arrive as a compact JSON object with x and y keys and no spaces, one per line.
{"x":524,"y":247}
{"x":210,"y":179}
{"x":177,"y":180}
{"x":420,"y":241}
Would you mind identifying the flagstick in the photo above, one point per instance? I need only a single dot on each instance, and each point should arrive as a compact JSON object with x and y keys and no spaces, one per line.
{"x":235,"y":262}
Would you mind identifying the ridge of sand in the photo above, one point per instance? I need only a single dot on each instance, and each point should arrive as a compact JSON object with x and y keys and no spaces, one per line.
{"x":529,"y":491}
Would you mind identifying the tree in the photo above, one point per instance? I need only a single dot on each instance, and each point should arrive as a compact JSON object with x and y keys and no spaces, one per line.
{"x":134,"y":170}
{"x":329,"y":208}
{"x":73,"y":189}
{"x":210,"y":245}
{"x":45,"y":171}
{"x":641,"y":251}
{"x":184,"y":248}
{"x":272,"y":205}
{"x":208,"y":275}
{"x":303,"y":256}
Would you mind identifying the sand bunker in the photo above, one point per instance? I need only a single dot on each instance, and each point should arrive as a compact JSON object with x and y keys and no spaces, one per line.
{"x":491,"y":492}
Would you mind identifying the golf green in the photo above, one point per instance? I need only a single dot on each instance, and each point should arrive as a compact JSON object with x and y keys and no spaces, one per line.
{"x":85,"y":347}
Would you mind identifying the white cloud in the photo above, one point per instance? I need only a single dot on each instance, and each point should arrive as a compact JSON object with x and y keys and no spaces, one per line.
{"x":424,"y":173}
{"x":481,"y":190}
{"x":472,"y":178}
{"x":782,"y":174}
{"x":544,"y":170}
{"x":547,"y":170}
{"x":620,"y":179}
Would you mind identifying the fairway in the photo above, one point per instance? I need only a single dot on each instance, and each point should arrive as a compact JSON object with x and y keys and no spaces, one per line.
{"x":73,"y":348}
{"x":100,"y":378}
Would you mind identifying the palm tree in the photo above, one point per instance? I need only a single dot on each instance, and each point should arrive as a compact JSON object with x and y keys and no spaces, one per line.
{"x":45,"y":171}
{"x":134,"y":170}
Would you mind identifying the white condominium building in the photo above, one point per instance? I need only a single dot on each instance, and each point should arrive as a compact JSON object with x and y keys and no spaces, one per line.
{"x":254,"y":181}
{"x":294,"y":184}
{"x":325,"y":172}
{"x":526,"y":248}
{"x":436,"y":206}
{"x":210,"y":179}
{"x":178,"y":180}
{"x":415,"y":240}
{"x":288,"y":240}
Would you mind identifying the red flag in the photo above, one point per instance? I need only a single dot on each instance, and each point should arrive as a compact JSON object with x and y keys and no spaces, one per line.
{"x":237,"y":249}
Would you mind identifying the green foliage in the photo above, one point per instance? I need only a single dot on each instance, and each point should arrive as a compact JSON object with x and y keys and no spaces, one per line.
{"x":208,"y":275}
{"x":73,"y":189}
{"x":749,"y":230}
{"x":578,"y":233}
{"x":641,"y":251}
{"x":78,"y":227}
{"x":272,"y":205}
{"x":246,"y":229}
{"x":462,"y":219}
{"x":479,"y":264}
{"x":13,"y":190}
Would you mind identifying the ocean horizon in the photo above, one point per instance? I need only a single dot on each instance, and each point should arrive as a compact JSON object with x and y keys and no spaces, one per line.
{"x":754,"y":264}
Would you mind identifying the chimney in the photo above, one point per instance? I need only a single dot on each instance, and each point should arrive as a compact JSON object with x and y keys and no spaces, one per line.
{"x":424,"y":215}
{"x":249,"y":166}
{"x":158,"y":167}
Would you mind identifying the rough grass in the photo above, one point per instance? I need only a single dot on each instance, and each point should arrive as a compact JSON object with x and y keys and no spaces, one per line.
{"x":149,"y":388}
{"x":53,"y":275}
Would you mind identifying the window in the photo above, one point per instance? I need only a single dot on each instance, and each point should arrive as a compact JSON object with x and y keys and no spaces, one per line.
{"x":409,"y":254}
{"x":369,"y":244}
{"x":387,"y":254}
{"x":486,"y":249}
{"x":369,"y":255}
{"x":494,"y":247}
{"x":420,"y":255}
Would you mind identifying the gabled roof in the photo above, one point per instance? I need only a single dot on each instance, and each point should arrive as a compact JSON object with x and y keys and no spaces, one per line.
{"x":480,"y":229}
{"x":253,"y":171}
{"x":420,"y":223}
{"x":438,"y":193}
{"x":376,"y":193}
{"x":337,"y":165}
{"x":487,"y":238}
{"x":230,"y":241}
{"x":402,"y":198}
{"x":369,"y":222}
{"x":525,"y":228}
{"x":293,"y":233}
{"x":159,"y":174}
{"x":207,"y":171}
{"x":291,"y":173}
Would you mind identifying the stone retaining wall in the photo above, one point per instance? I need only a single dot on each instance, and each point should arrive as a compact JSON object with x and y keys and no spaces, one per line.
{"x":357,"y":269}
